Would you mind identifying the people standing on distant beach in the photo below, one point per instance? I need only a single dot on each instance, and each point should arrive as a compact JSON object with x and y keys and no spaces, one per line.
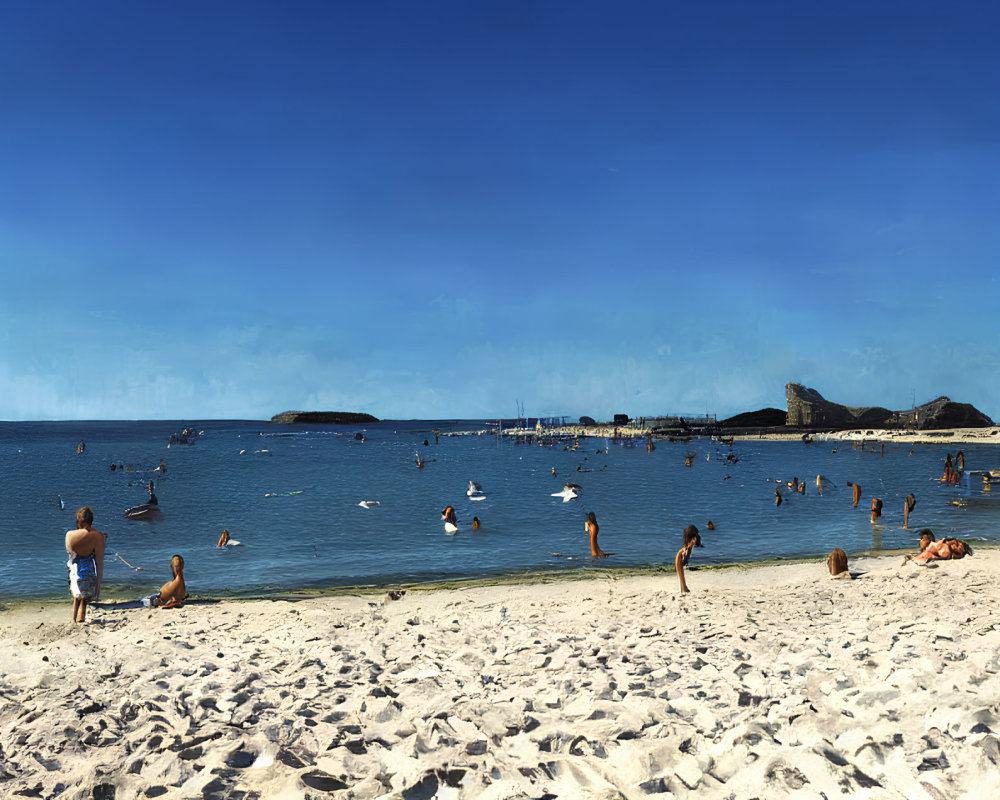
{"x":692,"y":539}
{"x":908,"y":505}
{"x":86,"y":562}
{"x":592,"y":529}
{"x":857,"y":492}
{"x":173,"y":592}
{"x":876,"y":509}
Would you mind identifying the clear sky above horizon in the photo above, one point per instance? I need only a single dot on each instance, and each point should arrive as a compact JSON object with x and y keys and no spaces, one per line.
{"x":438,"y":209}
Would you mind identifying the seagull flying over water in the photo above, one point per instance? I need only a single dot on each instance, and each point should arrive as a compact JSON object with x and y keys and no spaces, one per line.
{"x":569,"y":491}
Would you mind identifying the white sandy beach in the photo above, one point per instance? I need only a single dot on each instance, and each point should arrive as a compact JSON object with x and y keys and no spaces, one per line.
{"x":773,"y":681}
{"x":874,"y":435}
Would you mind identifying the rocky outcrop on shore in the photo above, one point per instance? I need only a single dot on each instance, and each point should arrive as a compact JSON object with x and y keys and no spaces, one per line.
{"x":808,"y":408}
{"x":323,"y":417}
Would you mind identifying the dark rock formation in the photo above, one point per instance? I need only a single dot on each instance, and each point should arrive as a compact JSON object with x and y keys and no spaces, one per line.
{"x":765,"y":418}
{"x":585,"y":420}
{"x":807,"y":408}
{"x":324,"y":417}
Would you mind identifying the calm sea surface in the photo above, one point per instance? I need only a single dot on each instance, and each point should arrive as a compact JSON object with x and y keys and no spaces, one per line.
{"x":290,"y":494}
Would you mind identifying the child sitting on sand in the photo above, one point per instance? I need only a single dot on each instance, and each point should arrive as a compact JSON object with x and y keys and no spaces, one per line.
{"x":174,"y":592}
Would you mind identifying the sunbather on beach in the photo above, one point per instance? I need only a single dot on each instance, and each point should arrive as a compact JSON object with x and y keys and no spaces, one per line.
{"x":592,"y":528}
{"x":692,"y":539}
{"x":173,"y":592}
{"x":944,"y":549}
{"x":86,"y":562}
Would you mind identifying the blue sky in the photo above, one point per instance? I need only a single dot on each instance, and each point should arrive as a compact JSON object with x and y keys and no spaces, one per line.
{"x":435,"y":209}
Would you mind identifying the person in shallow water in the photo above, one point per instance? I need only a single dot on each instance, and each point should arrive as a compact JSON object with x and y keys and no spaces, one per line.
{"x":592,"y":529}
{"x":692,"y":539}
{"x":856,"y":492}
{"x":908,"y":505}
{"x":86,"y":562}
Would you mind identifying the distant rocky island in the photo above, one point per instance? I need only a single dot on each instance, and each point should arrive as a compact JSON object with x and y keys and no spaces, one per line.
{"x":323,"y":417}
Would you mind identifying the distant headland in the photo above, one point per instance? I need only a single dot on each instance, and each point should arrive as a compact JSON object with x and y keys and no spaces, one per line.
{"x":323,"y":417}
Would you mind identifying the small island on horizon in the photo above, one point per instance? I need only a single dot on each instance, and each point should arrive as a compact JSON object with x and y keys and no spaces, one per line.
{"x":323,"y":417}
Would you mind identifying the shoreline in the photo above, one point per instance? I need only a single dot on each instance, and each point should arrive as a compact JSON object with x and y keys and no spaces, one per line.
{"x":10,"y":603}
{"x":943,"y":436}
{"x":775,"y":681}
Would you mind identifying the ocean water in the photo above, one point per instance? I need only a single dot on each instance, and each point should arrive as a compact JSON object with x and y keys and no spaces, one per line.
{"x":290,"y":495}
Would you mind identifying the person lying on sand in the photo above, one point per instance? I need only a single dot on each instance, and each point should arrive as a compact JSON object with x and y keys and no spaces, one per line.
{"x":692,"y":539}
{"x":173,"y":592}
{"x":944,"y":549}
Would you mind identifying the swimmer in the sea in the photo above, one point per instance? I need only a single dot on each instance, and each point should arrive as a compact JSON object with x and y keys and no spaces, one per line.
{"x":692,"y":539}
{"x":475,"y":523}
{"x":223,"y":539}
{"x":592,"y":529}
{"x":711,"y":525}
{"x":777,"y":496}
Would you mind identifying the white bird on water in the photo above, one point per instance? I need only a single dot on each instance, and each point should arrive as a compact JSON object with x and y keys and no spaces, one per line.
{"x":569,"y":491}
{"x":475,"y":491}
{"x":369,"y":503}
